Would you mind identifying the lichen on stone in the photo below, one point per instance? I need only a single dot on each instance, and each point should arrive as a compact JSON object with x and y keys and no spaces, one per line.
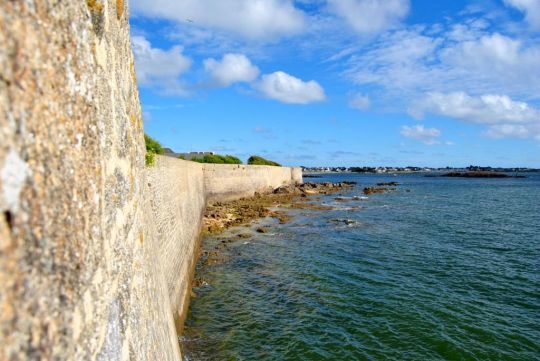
{"x":119,"y":8}
{"x":133,"y":73}
{"x":97,"y":15}
{"x":141,"y":237}
{"x":95,"y":5}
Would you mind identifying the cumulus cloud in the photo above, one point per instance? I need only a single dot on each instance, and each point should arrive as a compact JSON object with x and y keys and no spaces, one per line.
{"x":504,"y":116}
{"x":499,"y":60}
{"x":370,"y":16}
{"x":427,"y":136}
{"x":485,"y":109}
{"x":158,"y":68}
{"x":288,"y":89}
{"x":230,"y":69}
{"x":252,"y":19}
{"x":531,"y":8}
{"x":359,"y":101}
{"x":407,"y":63}
{"x":522,"y":131}
{"x":459,"y":73}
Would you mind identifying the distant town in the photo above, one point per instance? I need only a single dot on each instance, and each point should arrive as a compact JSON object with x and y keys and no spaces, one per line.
{"x":410,"y":169}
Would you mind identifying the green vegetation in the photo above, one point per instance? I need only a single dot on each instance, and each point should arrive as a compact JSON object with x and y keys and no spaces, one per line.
{"x":153,"y":147}
{"x":181,"y":156}
{"x":256,"y":160}
{"x":218,"y":159}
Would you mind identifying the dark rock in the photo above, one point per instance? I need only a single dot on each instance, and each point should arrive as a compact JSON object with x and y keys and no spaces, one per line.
{"x":345,"y":221}
{"x":474,"y":174}
{"x":284,"y":190}
{"x":311,"y":176}
{"x":198,"y":282}
{"x":391,"y":184}
{"x":371,"y":190}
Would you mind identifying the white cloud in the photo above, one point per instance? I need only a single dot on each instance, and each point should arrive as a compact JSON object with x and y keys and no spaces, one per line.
{"x":485,"y":109}
{"x":158,"y":68}
{"x":359,"y":101}
{"x":522,"y":131}
{"x":288,"y":89}
{"x":395,"y":61}
{"x":531,"y":8}
{"x":498,"y":48}
{"x":496,"y":60}
{"x":408,"y":63}
{"x":419,"y":132}
{"x":231,"y":69}
{"x":504,"y":116}
{"x":370,"y":16}
{"x":252,"y":19}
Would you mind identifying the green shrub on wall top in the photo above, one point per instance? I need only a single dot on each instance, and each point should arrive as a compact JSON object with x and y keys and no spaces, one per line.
{"x":218,"y":159}
{"x":256,"y":160}
{"x":153,"y":147}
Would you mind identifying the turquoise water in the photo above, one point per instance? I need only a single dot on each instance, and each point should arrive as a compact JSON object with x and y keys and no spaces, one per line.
{"x":447,"y":271}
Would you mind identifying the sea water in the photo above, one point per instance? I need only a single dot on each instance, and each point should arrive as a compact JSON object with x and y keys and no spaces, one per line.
{"x":440,"y":269}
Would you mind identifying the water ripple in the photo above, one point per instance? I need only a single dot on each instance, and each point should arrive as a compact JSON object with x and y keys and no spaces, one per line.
{"x":448,"y":271}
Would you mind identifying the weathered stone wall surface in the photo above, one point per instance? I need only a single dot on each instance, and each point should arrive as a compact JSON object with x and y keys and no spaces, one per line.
{"x":176,"y":194}
{"x":226,"y":182}
{"x":75,"y":279}
{"x":96,"y":252}
{"x":175,"y":201}
{"x":296,"y":175}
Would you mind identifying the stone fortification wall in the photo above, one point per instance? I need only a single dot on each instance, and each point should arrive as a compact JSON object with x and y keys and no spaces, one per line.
{"x":75,"y":278}
{"x":176,"y":193}
{"x":226,"y":182}
{"x":296,"y":175}
{"x":175,"y":201}
{"x":96,"y":252}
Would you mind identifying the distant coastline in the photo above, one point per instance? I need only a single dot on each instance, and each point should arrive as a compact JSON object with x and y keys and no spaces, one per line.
{"x":401,"y":170}
{"x":480,"y":175}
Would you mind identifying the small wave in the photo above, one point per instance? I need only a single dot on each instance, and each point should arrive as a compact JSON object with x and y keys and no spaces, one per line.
{"x":353,"y":198}
{"x":348,"y":209}
{"x":357,"y":198}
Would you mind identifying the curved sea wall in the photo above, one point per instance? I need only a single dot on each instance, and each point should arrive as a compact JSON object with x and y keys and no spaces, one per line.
{"x":174,"y":203}
{"x":96,"y":251}
{"x":224,"y":183}
{"x":176,"y":194}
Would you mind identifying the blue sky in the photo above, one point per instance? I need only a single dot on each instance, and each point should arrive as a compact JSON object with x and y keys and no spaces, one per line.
{"x":343,"y":82}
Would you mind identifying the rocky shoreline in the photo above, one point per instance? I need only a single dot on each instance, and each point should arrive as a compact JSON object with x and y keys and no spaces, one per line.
{"x":221,"y":216}
{"x":480,"y":174}
{"x":383,"y":187}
